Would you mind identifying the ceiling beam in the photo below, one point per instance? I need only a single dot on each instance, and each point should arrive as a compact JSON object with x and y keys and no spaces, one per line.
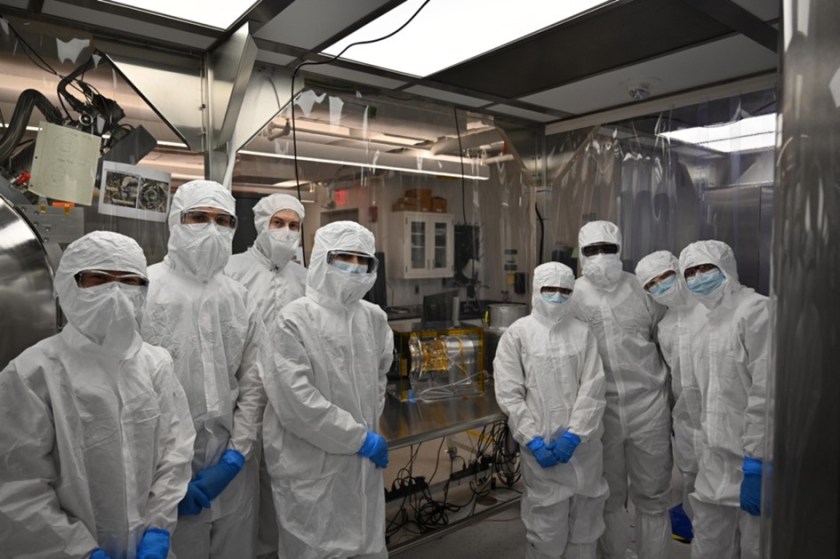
{"x":739,"y":19}
{"x":261,"y":13}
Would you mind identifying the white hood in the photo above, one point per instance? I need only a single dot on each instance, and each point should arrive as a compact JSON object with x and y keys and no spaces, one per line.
{"x":328,"y":281}
{"x":712,"y":252}
{"x":279,"y":248}
{"x":108,"y":315}
{"x":552,"y":274}
{"x":656,"y":264}
{"x":603,"y":270}
{"x":201,"y":252}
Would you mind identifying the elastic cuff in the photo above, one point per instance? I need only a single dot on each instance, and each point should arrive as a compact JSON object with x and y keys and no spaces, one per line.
{"x":156,"y":531}
{"x":234,"y":458}
{"x":752,"y":466}
{"x":536,"y":443}
{"x":572,"y":437}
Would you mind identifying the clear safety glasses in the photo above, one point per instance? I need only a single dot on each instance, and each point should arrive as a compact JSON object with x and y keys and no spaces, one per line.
{"x":663,"y":278}
{"x":92,"y":278}
{"x":694,"y":270}
{"x":342,"y":259}
{"x":221,"y":219}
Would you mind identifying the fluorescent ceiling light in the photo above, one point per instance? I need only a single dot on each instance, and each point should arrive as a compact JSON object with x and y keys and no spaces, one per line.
{"x":747,"y":134}
{"x":387,"y":161}
{"x":171,"y":144}
{"x":218,"y":15}
{"x":289,"y":183}
{"x":447,"y":32}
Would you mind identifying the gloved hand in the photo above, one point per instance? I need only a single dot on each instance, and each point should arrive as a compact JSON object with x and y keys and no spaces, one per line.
{"x":213,"y":479}
{"x":375,"y":447}
{"x":193,"y":501}
{"x":564,"y":446}
{"x":99,"y":554}
{"x":544,"y":456}
{"x":751,"y":486}
{"x":154,"y":544}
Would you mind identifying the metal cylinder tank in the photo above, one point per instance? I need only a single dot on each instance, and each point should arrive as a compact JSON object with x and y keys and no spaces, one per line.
{"x":28,"y":311}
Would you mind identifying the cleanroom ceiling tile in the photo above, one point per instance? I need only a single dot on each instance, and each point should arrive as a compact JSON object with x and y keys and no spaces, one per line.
{"x":127,"y":25}
{"x":714,"y":62}
{"x":309,"y":23}
{"x":765,"y":9}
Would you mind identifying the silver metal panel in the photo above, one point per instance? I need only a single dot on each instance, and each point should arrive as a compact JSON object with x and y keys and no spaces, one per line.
{"x":229,"y":72}
{"x":353,"y":75}
{"x":406,"y":423}
{"x":804,"y":501}
{"x":446,"y":96}
{"x":27,"y":306}
{"x":171,"y":85}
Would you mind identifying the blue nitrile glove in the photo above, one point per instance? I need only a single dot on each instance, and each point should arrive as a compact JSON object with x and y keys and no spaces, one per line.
{"x":99,"y":554}
{"x":213,"y":480}
{"x":541,"y":452}
{"x":681,"y":529}
{"x":375,"y":447}
{"x":564,"y":446}
{"x":751,"y":486}
{"x":154,"y":545}
{"x":193,"y":501}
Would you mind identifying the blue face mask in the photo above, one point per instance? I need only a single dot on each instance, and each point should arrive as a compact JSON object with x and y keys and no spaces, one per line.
{"x":350,"y":267}
{"x":554,"y":297}
{"x":706,"y":283}
{"x":663,"y":286}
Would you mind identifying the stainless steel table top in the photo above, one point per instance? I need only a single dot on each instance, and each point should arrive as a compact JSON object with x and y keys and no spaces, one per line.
{"x":406,"y":423}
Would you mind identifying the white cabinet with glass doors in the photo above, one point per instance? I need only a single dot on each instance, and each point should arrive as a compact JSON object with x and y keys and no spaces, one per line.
{"x":421,"y":245}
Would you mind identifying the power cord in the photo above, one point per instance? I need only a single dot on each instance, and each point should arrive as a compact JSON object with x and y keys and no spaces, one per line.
{"x":333,"y":59}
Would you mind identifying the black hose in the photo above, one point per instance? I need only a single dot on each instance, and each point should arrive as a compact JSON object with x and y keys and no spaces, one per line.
{"x":27,"y":101}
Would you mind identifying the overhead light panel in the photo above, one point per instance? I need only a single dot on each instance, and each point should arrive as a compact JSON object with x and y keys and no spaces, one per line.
{"x":447,"y":32}
{"x":334,"y":155}
{"x":219,"y":15}
{"x":748,"y":134}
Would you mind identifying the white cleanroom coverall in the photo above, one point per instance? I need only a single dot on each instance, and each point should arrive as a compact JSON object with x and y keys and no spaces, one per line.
{"x":637,"y":420}
{"x":327,"y":390}
{"x":204,"y":319}
{"x":549,"y":379}
{"x":677,"y":330}
{"x":95,"y":433}
{"x":730,"y":375}
{"x":273,"y":280}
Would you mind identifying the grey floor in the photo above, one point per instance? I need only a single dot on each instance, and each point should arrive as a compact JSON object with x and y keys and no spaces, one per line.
{"x":500,"y":536}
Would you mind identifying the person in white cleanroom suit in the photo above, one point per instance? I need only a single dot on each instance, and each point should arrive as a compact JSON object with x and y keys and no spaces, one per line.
{"x":659,"y":274}
{"x":95,"y":433}
{"x":216,"y":340}
{"x":325,"y":396}
{"x":550,"y":382}
{"x":266,"y":269}
{"x":273,"y":279}
{"x":730,"y":374}
{"x":637,"y":419}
